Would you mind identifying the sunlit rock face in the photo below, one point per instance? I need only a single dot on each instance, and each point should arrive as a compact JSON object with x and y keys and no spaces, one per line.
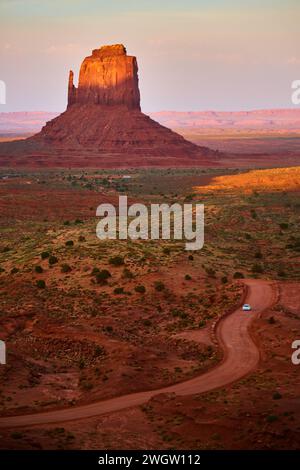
{"x":107,"y":77}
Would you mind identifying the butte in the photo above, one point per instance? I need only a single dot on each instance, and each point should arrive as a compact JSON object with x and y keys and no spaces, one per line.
{"x":103,"y":125}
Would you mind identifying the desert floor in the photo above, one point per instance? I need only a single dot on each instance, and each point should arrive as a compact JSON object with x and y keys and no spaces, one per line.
{"x":79,"y":339}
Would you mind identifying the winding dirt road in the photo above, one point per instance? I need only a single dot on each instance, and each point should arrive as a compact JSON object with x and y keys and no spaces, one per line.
{"x":241,"y":356}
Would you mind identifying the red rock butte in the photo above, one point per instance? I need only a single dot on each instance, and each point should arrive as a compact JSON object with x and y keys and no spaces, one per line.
{"x":103,"y":125}
{"x":108,"y":77}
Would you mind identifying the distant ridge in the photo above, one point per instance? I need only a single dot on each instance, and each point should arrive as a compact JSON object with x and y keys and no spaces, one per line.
{"x":268,"y":119}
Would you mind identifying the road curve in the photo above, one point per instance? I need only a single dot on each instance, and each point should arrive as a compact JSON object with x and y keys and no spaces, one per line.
{"x":241,"y":356}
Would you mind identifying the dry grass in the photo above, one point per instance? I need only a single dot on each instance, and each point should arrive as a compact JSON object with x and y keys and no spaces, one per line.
{"x":276,"y":179}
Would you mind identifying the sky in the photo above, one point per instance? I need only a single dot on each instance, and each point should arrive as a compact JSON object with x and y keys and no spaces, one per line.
{"x":193,"y":55}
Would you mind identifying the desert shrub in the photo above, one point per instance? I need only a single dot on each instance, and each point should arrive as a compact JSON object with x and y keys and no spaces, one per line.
{"x":81,"y":238}
{"x":69,"y":243}
{"x":281,"y":273}
{"x":166,"y":250}
{"x":297,"y":242}
{"x":147,"y":322}
{"x":119,"y":290}
{"x":102,"y":276}
{"x":238,"y":275}
{"x":45,"y":254}
{"x":258,"y":255}
{"x":202,"y":323}
{"x":78,"y":221}
{"x":187,"y":277}
{"x":257,"y":268}
{"x":284,"y":226}
{"x":38,"y":269}
{"x":272,"y":418}
{"x":17,"y":435}
{"x":295,"y":245}
{"x":247,"y":236}
{"x":189,"y":197}
{"x":52,"y":260}
{"x":65,"y":268}
{"x":224,"y":279}
{"x":116,"y":260}
{"x":140,"y":289}
{"x":81,"y":363}
{"x":95,"y":271}
{"x":253,"y":214}
{"x":66,"y":222}
{"x":272,"y":320}
{"x":127,"y":274}
{"x":277,"y":396}
{"x":159,"y":286}
{"x":191,"y":257}
{"x":14,"y":271}
{"x":210,"y":272}
{"x":108,"y":328}
{"x":98,"y":351}
{"x":179,"y":313}
{"x":41,"y":284}
{"x":86,"y":385}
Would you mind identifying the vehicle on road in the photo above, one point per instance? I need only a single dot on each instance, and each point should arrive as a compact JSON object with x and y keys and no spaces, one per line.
{"x":247,"y":307}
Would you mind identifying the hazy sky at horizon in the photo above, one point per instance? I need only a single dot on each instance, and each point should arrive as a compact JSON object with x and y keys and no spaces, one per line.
{"x":192,"y":54}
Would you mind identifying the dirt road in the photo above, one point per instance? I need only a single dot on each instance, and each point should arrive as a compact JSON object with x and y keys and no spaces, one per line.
{"x":241,"y":356}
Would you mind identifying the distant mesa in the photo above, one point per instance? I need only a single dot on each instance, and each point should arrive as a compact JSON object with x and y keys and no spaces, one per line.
{"x":103,"y":124}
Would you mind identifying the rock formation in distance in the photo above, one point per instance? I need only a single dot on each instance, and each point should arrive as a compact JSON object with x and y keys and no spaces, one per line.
{"x":103,"y":124}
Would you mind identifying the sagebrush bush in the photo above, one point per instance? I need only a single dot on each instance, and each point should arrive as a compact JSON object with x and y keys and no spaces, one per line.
{"x":65,"y":268}
{"x":238,"y":275}
{"x":53,"y":260}
{"x":119,"y":290}
{"x":116,"y":260}
{"x":159,"y":286}
{"x":41,"y":284}
{"x":102,"y":276}
{"x":140,"y":289}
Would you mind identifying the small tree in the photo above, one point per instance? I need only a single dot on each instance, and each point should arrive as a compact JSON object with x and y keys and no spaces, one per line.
{"x":127,"y":274}
{"x":52,"y":260}
{"x":116,"y":260}
{"x":65,"y":268}
{"x":41,"y":284}
{"x":119,"y":290}
{"x":238,"y":275}
{"x":159,"y":286}
{"x":102,"y":276}
{"x":140,"y":289}
{"x":257,"y":268}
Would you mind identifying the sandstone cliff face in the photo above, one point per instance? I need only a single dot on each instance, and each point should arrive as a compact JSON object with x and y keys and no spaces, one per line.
{"x":108,"y":77}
